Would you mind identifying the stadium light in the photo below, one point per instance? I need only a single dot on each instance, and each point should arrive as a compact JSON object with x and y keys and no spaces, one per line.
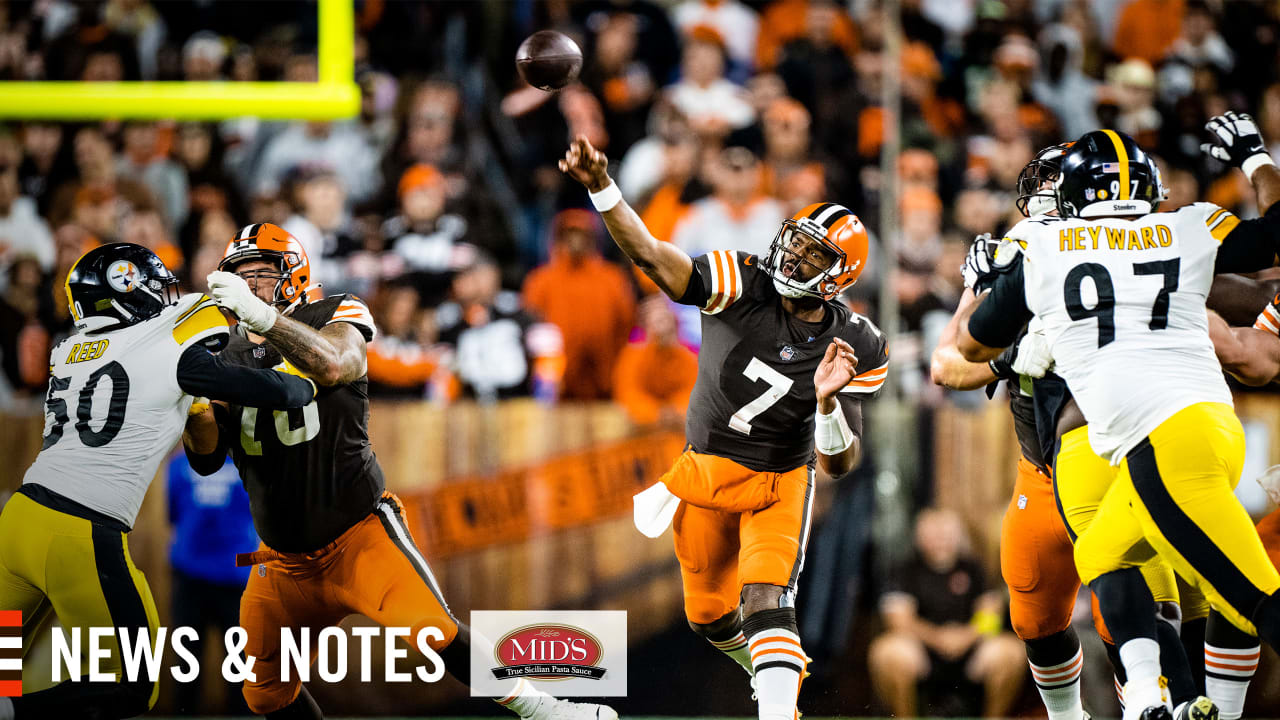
{"x":336,"y":95}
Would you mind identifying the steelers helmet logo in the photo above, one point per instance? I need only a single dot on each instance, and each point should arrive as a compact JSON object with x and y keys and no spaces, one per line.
{"x":123,"y":276}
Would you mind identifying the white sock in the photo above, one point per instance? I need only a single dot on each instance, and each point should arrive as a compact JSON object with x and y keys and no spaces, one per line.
{"x":1059,"y":687}
{"x":736,"y":648}
{"x":1145,"y":687}
{"x":1226,"y":678}
{"x":523,"y":700}
{"x":6,"y":709}
{"x":1119,"y":691}
{"x":778,"y":662}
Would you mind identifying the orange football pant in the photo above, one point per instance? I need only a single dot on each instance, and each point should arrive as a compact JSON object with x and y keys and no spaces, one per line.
{"x":1037,"y":559}
{"x":374,"y":569}
{"x":721,"y":551}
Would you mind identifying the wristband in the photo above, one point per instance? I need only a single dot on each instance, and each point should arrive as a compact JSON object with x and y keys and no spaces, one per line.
{"x":831,"y":433}
{"x":606,"y":199}
{"x":1253,"y":162}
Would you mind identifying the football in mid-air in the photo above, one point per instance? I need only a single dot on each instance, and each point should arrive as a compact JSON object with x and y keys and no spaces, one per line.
{"x":549,"y":60}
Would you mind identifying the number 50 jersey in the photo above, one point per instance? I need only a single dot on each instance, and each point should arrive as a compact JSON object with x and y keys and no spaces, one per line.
{"x":754,"y":400}
{"x":1123,"y":306}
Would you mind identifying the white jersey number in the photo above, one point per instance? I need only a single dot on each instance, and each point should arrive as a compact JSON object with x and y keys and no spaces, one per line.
{"x":57,"y":407}
{"x":287,"y":435}
{"x":1105,"y":307}
{"x":779,"y":385}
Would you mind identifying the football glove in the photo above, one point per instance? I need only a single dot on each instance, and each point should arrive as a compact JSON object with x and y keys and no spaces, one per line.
{"x":1034,"y":356}
{"x":978,"y":262}
{"x":230,"y":291}
{"x":1236,"y":141}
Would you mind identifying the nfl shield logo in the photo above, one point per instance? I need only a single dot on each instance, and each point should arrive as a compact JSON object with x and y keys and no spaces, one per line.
{"x":787,"y":352}
{"x":1089,"y":194}
{"x":259,"y":352}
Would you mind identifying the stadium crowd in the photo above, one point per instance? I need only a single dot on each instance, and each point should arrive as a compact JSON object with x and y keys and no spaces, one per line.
{"x":441,"y":203}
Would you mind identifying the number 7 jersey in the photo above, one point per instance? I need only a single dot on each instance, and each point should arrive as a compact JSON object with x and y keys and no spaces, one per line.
{"x":1123,"y":307}
{"x":754,"y":400}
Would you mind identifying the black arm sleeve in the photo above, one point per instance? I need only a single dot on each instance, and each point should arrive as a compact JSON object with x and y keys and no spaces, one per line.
{"x":699,"y":289}
{"x":1000,"y":316}
{"x":1251,"y":245}
{"x":205,"y":375}
{"x":210,"y":463}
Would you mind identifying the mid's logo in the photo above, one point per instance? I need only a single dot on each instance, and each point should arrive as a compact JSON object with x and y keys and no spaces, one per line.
{"x":10,"y":653}
{"x":549,"y":652}
{"x":568,"y":653}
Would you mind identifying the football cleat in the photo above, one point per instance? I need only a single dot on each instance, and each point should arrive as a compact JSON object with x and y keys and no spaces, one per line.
{"x":1202,"y":708}
{"x":553,"y":709}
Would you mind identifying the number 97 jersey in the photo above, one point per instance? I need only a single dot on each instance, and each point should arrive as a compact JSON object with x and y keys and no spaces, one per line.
{"x":1123,"y":307}
{"x":754,"y":400}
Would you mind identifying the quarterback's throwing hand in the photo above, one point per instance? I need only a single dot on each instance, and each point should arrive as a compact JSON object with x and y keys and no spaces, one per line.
{"x":587,"y":165}
{"x":836,"y":369}
{"x":230,"y":291}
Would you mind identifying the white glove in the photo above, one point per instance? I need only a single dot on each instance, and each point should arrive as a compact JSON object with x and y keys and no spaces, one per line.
{"x":1034,"y":357}
{"x":232,"y":292}
{"x":1270,"y":482}
{"x":977,"y":262}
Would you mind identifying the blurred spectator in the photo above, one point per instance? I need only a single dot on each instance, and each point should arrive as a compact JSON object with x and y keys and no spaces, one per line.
{"x":335,"y":146}
{"x":921,"y":225}
{"x":24,"y":343}
{"x":655,"y":375}
{"x":211,"y":524}
{"x":620,"y":80}
{"x":143,"y":161}
{"x":712,"y":104}
{"x":45,"y":162}
{"x":22,"y":230}
{"x":737,"y":216}
{"x":787,"y":153}
{"x":138,"y":20}
{"x":942,"y":626}
{"x":319,"y":223}
{"x":1146,"y":29}
{"x":669,"y":202}
{"x":199,"y":151}
{"x":815,"y":66}
{"x":1134,"y":84}
{"x":786,"y":20}
{"x":734,"y":21}
{"x":428,"y":242}
{"x":88,"y":49}
{"x":589,"y":299}
{"x":1061,"y":85}
{"x":404,"y":358}
{"x":499,"y":350}
{"x":1198,"y":49}
{"x":145,"y":227}
{"x":203,"y":57}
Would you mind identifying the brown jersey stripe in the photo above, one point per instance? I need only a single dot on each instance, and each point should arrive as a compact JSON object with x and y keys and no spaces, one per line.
{"x":11,"y":631}
{"x":9,"y":675}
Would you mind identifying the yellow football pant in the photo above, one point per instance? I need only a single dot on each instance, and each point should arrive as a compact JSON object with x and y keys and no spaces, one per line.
{"x":1080,"y":481}
{"x":1173,"y":496}
{"x":82,"y":571}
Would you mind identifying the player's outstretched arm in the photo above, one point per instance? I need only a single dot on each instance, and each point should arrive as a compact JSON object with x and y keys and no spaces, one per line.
{"x":837,"y":431}
{"x":1236,"y":140}
{"x":947,"y":367}
{"x":667,"y":265}
{"x":1250,"y":354}
{"x":203,"y":374}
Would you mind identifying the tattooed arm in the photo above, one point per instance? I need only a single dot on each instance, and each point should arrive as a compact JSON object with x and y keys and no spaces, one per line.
{"x":333,"y":355}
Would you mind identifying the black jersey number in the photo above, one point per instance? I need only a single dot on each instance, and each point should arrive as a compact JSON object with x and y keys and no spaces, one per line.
{"x":57,"y":407}
{"x":779,"y":386}
{"x":1105,"y":308}
{"x":293,"y":427}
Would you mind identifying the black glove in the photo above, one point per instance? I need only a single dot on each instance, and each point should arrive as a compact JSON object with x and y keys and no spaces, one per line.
{"x":1236,"y":139}
{"x":1002,"y":366}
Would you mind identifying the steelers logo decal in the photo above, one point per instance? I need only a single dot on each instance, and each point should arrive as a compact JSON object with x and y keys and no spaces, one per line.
{"x":123,"y":276}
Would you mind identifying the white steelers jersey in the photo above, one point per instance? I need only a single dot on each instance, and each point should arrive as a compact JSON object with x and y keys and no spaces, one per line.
{"x":114,"y":409}
{"x":1123,"y":306}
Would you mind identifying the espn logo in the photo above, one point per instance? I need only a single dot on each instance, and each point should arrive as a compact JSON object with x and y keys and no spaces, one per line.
{"x":10,"y":653}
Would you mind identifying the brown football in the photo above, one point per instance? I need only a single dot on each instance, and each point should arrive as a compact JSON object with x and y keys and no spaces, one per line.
{"x":549,"y":60}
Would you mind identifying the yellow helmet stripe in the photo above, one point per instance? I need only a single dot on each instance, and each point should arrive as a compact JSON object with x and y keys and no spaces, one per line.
{"x":66,"y":285}
{"x":1123,"y":158}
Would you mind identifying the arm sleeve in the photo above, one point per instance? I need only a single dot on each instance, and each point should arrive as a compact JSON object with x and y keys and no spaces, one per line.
{"x":1247,"y":245}
{"x":717,"y":280}
{"x":1000,"y":316}
{"x":210,"y":463}
{"x":204,"y":375}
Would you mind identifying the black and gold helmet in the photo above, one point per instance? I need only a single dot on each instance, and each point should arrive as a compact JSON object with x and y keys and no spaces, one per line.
{"x":1105,"y":173}
{"x":117,"y":285}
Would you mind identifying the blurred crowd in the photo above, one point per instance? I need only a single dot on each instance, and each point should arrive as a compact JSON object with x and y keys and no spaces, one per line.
{"x":441,"y":205}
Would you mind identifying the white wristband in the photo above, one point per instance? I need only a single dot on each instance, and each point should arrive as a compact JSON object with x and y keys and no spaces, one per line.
{"x":606,"y":198}
{"x":1253,"y":162}
{"x":831,"y":433}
